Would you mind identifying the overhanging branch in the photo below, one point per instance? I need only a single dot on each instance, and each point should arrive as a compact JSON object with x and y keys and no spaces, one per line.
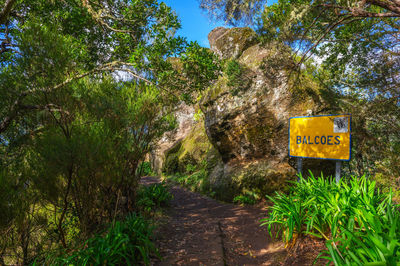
{"x":17,"y":106}
{"x":5,"y":12}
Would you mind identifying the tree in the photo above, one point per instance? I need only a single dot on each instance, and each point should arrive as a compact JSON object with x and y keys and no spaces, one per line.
{"x":357,"y":45}
{"x":353,"y":46}
{"x":86,"y":90}
{"x":233,"y":12}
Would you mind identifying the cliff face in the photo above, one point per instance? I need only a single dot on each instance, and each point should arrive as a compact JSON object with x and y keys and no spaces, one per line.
{"x":246,"y":116}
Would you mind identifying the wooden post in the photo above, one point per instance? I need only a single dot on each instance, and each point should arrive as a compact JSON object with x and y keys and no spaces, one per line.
{"x":299,"y":166}
{"x":338,"y":170}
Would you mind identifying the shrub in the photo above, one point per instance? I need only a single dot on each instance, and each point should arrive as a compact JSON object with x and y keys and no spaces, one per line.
{"x":237,"y":77}
{"x":354,"y":218}
{"x":190,"y":168}
{"x":144,"y":169}
{"x":126,"y":243}
{"x":195,"y":178}
{"x":153,"y":196}
{"x":247,"y":198}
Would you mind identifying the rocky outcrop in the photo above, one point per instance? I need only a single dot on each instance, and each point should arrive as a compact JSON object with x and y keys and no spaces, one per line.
{"x":244,"y":137}
{"x":247,"y":120}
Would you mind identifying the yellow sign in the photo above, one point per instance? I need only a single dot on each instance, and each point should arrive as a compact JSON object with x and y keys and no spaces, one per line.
{"x":320,"y":137}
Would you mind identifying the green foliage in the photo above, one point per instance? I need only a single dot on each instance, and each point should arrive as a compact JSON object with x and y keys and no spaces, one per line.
{"x":201,"y":67}
{"x":145,"y":169}
{"x":190,"y":168}
{"x":234,"y":72}
{"x":233,"y":12}
{"x":377,"y":244}
{"x":87,"y":91}
{"x":128,"y":243}
{"x":153,"y":196}
{"x":353,"y":216}
{"x":247,"y":198}
{"x":198,"y":116}
{"x":195,"y":178}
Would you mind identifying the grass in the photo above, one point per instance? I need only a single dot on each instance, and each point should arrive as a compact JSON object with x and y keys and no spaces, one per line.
{"x":358,"y":222}
{"x":195,"y":180}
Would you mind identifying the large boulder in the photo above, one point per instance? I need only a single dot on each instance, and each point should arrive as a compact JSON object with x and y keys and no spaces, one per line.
{"x":243,"y":140}
{"x":247,"y":120}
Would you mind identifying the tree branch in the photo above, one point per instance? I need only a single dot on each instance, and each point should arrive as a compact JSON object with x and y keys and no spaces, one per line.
{"x":97,"y":16}
{"x":361,"y":12}
{"x":16,"y":107}
{"x":5,"y":12}
{"x":388,"y":5}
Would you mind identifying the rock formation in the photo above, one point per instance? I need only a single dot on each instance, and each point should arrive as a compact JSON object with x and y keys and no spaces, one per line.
{"x":246,"y":116}
{"x":184,"y":116}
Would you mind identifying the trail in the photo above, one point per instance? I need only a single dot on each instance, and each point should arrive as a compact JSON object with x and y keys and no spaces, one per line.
{"x":202,"y":231}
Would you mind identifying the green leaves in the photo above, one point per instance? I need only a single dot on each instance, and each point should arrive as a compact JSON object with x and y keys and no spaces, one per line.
{"x":126,"y":243}
{"x":359,"y":223}
{"x":153,"y":196}
{"x":376,"y":243}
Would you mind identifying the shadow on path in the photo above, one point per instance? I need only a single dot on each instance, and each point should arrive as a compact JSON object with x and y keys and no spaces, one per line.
{"x":203,"y":231}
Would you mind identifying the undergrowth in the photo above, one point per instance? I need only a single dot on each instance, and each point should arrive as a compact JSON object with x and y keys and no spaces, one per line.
{"x":153,"y":196}
{"x":127,"y":242}
{"x":195,"y":178}
{"x":144,"y":169}
{"x":250,"y":198}
{"x":359,"y":223}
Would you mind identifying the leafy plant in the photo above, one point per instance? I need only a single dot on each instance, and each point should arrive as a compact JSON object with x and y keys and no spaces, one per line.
{"x":190,"y":168}
{"x":234,"y":72}
{"x":144,"y":169}
{"x":378,"y":243}
{"x":153,"y":196}
{"x":247,"y":198}
{"x":125,"y":243}
{"x":353,"y":216}
{"x":195,"y":178}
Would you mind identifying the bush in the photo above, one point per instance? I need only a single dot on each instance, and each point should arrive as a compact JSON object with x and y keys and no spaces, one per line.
{"x":126,"y":243}
{"x":357,"y":221}
{"x":237,"y":76}
{"x":247,"y":198}
{"x":144,"y":169}
{"x":153,"y":196}
{"x":376,"y":242}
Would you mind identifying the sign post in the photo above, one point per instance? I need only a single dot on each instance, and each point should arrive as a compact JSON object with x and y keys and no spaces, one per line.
{"x":320,"y":137}
{"x":338,"y":170}
{"x":300,"y":165}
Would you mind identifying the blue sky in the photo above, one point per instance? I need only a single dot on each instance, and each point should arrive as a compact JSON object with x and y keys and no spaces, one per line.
{"x":195,"y":23}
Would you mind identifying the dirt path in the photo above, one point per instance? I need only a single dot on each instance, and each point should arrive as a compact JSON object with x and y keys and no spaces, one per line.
{"x":203,"y":231}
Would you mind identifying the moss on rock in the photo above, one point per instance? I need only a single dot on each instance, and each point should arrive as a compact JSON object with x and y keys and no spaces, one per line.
{"x":171,"y":163}
{"x":262,"y":178}
{"x":192,"y":150}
